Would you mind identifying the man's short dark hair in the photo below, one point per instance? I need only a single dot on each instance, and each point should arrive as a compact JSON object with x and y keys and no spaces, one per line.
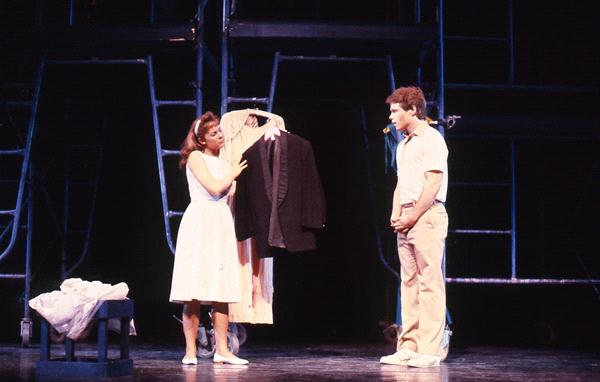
{"x":408,"y":97}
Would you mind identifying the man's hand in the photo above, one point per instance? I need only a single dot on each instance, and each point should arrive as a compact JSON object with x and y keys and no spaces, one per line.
{"x":395,"y":216}
{"x":404,"y":223}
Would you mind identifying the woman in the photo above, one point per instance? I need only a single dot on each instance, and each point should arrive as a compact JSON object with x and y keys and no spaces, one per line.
{"x":206,"y":269}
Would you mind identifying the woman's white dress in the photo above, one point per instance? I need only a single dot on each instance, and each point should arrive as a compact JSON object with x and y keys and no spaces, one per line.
{"x":206,"y":259}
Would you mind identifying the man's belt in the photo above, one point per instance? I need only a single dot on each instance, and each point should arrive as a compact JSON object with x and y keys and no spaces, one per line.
{"x":412,"y":204}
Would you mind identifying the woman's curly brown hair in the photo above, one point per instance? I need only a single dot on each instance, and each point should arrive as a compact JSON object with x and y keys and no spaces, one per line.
{"x":194,"y":139}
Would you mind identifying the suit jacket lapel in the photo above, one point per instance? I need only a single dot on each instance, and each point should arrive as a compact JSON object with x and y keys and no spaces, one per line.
{"x":264,"y":163}
{"x":280,"y":168}
{"x":279,"y":183}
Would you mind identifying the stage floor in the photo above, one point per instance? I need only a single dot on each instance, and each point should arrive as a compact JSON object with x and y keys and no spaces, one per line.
{"x":330,"y":363}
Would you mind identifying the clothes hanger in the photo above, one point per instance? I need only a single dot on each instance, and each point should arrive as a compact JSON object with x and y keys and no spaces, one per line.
{"x":272,"y":131}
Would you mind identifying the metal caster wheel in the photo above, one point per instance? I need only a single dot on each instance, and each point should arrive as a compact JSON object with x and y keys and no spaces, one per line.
{"x":26,"y":331}
{"x":233,"y":343}
{"x":205,"y":344}
{"x":240,"y":331}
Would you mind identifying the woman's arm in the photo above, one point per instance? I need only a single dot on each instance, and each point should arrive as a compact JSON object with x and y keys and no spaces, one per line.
{"x":214,"y":186}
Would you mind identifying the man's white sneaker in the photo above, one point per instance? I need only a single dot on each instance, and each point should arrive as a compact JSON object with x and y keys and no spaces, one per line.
{"x":401,"y":357}
{"x":425,"y":360}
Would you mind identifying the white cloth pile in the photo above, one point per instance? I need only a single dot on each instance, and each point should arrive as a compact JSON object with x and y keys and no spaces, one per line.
{"x":70,"y":310}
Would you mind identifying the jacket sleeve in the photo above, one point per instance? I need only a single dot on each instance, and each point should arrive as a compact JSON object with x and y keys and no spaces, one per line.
{"x":313,"y":198}
{"x":244,"y":227}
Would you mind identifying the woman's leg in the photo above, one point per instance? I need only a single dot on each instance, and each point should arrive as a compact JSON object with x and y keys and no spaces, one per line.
{"x":191,"y":319}
{"x":220,"y":317}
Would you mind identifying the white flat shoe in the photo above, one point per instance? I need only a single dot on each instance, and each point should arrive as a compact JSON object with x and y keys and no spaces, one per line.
{"x":189,"y":361}
{"x":232,"y":361}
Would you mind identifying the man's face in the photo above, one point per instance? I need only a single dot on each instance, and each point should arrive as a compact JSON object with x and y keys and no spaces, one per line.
{"x":401,"y":118}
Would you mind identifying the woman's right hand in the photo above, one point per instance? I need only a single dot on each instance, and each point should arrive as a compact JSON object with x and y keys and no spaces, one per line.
{"x":237,"y":168}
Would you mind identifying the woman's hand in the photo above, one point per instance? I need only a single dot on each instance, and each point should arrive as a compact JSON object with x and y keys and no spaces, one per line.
{"x":237,"y":168}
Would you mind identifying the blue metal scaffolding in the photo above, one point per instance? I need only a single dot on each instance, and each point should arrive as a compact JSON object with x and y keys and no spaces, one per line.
{"x":196,"y":102}
{"x":236,"y":29}
{"x":511,"y":85}
{"x":156,"y":104}
{"x":233,"y":29}
{"x":161,"y":153}
{"x":24,"y":199}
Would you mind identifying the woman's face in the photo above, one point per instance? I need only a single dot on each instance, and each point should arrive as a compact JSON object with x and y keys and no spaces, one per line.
{"x":214,"y":138}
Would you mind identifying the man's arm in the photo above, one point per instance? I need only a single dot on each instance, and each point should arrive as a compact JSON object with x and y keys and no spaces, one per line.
{"x":433,"y":182}
{"x":396,"y":207}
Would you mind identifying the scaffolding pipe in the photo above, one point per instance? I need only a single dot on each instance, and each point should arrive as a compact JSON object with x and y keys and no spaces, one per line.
{"x":365,"y":134}
{"x":511,"y":44}
{"x":273,"y":85}
{"x":224,"y":56}
{"x":137,"y":61}
{"x":12,"y":152}
{"x":263,"y":100}
{"x":26,"y":158}
{"x":152,"y":12}
{"x":532,"y":88}
{"x":483,"y":231}
{"x":71,"y":13}
{"x":13,"y":276}
{"x":474,"y":280}
{"x":199,"y":56}
{"x":440,"y":71}
{"x":513,"y":212}
{"x":88,"y":231}
{"x":331,"y":58}
{"x":65,"y":228}
{"x":390,"y":69}
{"x":29,"y":247}
{"x":159,"y":157}
{"x":175,"y":103}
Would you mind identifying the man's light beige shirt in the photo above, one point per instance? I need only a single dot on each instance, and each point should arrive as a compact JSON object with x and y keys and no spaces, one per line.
{"x":425,"y":151}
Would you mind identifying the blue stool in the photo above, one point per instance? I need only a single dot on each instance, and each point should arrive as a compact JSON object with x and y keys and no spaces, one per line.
{"x":71,"y":366}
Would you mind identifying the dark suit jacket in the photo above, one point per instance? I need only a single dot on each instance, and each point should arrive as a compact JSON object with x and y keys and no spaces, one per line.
{"x":299,"y":195}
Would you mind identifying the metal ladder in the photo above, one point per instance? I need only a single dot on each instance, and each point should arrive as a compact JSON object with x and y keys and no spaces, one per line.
{"x":278,"y":59}
{"x":196,"y":102}
{"x":11,"y":219}
{"x":161,"y":152}
{"x":387,"y":63}
{"x":89,"y":158}
{"x":507,"y":42}
{"x":24,"y":197}
{"x":24,"y":194}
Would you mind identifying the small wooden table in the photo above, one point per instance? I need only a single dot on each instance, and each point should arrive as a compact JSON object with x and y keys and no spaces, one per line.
{"x":102,"y":366}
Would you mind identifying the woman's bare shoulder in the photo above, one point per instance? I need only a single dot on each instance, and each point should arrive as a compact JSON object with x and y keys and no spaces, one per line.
{"x":196,"y":154}
{"x":196,"y":158}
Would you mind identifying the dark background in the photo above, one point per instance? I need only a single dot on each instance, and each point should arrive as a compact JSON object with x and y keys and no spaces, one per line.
{"x":341,"y":292}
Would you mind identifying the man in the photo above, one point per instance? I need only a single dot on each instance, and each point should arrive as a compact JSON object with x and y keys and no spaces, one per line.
{"x":420,"y":220}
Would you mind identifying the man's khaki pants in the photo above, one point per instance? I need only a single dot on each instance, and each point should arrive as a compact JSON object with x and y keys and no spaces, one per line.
{"x":422,"y":289}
